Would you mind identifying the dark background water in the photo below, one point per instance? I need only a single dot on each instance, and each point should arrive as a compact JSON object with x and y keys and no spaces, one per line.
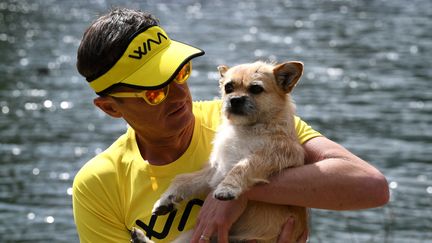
{"x":367,"y":85}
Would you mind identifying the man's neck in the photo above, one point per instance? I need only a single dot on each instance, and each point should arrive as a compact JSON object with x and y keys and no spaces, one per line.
{"x":163,"y":151}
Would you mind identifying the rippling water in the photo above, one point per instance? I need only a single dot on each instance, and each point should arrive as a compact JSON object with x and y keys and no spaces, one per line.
{"x":367,"y":85}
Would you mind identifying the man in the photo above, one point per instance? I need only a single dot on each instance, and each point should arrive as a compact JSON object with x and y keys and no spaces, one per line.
{"x":140,"y":76}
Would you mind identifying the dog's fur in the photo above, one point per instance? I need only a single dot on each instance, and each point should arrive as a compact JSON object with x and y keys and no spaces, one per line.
{"x":256,"y":139}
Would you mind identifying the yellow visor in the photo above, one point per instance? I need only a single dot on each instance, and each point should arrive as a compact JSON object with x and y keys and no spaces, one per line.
{"x":151,"y":61}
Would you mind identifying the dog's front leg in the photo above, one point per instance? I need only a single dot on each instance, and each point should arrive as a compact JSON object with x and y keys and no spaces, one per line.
{"x":242,"y":176}
{"x":137,"y":236}
{"x":182,"y":187}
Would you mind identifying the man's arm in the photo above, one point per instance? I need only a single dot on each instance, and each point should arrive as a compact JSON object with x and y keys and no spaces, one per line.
{"x":95,"y":206}
{"x":95,"y":223}
{"x":333,"y":178}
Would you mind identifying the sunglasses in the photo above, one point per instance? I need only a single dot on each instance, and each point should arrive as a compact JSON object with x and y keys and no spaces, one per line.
{"x":155,"y":97}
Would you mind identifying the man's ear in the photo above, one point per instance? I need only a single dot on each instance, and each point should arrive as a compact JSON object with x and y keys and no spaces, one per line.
{"x":107,"y":105}
{"x":288,"y":74}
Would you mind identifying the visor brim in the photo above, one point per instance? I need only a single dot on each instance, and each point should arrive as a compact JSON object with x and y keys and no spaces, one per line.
{"x":162,"y":68}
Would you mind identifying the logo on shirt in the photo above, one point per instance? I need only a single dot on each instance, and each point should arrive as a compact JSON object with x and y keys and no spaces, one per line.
{"x":149,"y":228}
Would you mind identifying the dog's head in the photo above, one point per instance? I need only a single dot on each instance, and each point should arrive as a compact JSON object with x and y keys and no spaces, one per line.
{"x":257,"y":92}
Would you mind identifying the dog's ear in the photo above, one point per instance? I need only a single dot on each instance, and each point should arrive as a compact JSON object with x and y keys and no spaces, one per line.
{"x":222,"y":70}
{"x":288,"y":74}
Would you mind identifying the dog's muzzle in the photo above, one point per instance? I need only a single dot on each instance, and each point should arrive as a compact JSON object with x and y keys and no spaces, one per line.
{"x":240,"y":105}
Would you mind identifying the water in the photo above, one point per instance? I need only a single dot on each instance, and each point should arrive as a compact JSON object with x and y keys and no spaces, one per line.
{"x":367,"y":85}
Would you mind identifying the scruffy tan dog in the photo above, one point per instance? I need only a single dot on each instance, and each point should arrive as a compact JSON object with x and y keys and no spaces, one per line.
{"x":256,"y":139}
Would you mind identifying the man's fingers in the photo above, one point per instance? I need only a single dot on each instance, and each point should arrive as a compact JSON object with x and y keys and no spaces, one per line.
{"x":287,"y":231}
{"x":206,"y":236}
{"x":303,"y":238}
{"x":202,"y":235}
{"x":198,"y":232}
{"x":223,"y":236}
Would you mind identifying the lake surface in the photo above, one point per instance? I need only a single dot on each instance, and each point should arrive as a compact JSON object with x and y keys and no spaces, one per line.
{"x":367,"y":85}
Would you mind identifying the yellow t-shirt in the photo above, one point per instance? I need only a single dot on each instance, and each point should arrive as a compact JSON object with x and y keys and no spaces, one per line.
{"x":116,"y":190}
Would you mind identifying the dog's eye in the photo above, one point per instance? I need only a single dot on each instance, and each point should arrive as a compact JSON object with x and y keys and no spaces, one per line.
{"x":256,"y":89}
{"x":229,"y":87}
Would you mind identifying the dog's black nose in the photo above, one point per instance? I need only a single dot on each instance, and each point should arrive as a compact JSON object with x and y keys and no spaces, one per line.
{"x":237,"y":102}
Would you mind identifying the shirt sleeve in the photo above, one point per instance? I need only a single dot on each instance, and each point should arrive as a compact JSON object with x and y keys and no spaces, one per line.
{"x":96,"y":207}
{"x":304,"y":131}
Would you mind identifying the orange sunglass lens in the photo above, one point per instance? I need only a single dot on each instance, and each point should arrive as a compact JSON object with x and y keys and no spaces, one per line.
{"x":184,"y":73}
{"x":156,"y":96}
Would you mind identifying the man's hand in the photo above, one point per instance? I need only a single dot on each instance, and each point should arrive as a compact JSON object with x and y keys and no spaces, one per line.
{"x":287,"y":231}
{"x":216,"y":218}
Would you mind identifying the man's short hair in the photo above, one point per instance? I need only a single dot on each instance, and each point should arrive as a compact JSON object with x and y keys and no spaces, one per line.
{"x":107,"y":37}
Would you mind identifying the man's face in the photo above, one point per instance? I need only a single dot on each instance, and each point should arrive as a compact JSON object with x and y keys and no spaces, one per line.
{"x":165,"y":120}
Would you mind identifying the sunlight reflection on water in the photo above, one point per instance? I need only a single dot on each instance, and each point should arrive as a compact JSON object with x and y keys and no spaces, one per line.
{"x":366,"y":85}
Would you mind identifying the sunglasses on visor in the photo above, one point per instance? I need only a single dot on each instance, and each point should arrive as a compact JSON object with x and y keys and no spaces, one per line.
{"x":155,"y":97}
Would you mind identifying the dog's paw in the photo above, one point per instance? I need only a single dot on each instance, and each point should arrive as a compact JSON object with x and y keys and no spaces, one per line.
{"x":163,"y":209}
{"x":165,"y":205}
{"x":226,"y":193}
{"x":137,"y":236}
